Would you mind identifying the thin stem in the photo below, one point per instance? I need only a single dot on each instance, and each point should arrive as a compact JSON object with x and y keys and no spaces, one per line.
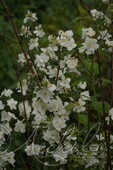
{"x":18,"y":38}
{"x":90,"y":73}
{"x":59,"y":55}
{"x":85,"y":6}
{"x":107,"y":133}
{"x":24,"y":107}
{"x":111,"y":102}
{"x":32,"y":61}
{"x":20,"y":80}
{"x":24,"y":164}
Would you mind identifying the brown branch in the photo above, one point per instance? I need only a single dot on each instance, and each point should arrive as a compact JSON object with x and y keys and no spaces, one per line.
{"x":18,"y":38}
{"x":59,"y":55}
{"x":85,"y":6}
{"x":90,"y":73}
{"x":32,"y":61}
{"x":24,"y":164}
{"x":107,"y":132}
{"x":23,"y":101}
{"x":20,"y":80}
{"x":111,"y":101}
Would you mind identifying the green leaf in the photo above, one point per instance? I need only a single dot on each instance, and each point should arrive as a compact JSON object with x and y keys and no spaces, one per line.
{"x":92,"y":67}
{"x":75,"y":83}
{"x":82,"y":10}
{"x":70,"y":106}
{"x":106,"y":81}
{"x":98,"y":106}
{"x":83,"y":119}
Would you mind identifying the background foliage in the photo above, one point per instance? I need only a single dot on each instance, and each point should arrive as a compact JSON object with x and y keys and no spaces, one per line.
{"x":52,"y":14}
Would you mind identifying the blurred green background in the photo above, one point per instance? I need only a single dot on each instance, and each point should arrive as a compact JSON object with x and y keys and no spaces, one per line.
{"x":52,"y":14}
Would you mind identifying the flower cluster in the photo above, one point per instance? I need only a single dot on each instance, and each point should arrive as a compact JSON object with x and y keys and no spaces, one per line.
{"x":100,"y":15}
{"x":40,"y":108}
{"x":105,"y":1}
{"x":45,"y":106}
{"x":90,"y":45}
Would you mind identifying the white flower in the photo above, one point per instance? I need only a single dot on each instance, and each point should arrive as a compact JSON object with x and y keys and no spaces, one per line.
{"x":67,"y":34}
{"x":7,"y":93}
{"x":65,"y":39}
{"x":85,"y":95}
{"x":88,"y":32}
{"x":52,"y":72}
{"x":6,"y":128}
{"x":111,"y":138}
{"x":39,"y":31}
{"x":30,"y":17}
{"x":39,"y":149}
{"x":25,"y":31}
{"x":111,"y":113}
{"x":51,"y":87}
{"x":109,"y":43}
{"x":58,"y":123}
{"x":10,"y":157}
{"x":54,"y":42}
{"x":91,"y":161}
{"x":57,"y":107}
{"x":1,"y":137}
{"x":39,"y":118}
{"x":104,"y":35}
{"x":82,"y":85}
{"x":12,"y":103}
{"x":1,"y":105}
{"x":96,"y":14}
{"x":51,"y":136}
{"x":110,"y":50}
{"x":41,"y":60}
{"x":21,"y":58}
{"x":100,"y":15}
{"x":39,"y":106}
{"x":72,"y":63}
{"x":80,"y":106}
{"x":33,"y":43}
{"x":30,"y":149}
{"x":49,"y":51}
{"x":27,"y":109}
{"x":24,"y":86}
{"x":105,"y":1}
{"x":64,"y":82}
{"x":33,"y":149}
{"x":89,"y":46}
{"x":54,"y":105}
{"x":100,"y":137}
{"x":62,"y":64}
{"x":60,"y":155}
{"x":20,"y":127}
{"x":107,"y":119}
{"x":6,"y":116}
{"x":107,"y":21}
{"x":45,"y":95}
{"x":69,"y":44}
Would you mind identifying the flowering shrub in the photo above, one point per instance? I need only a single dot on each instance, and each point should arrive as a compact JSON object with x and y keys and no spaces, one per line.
{"x":47,"y":115}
